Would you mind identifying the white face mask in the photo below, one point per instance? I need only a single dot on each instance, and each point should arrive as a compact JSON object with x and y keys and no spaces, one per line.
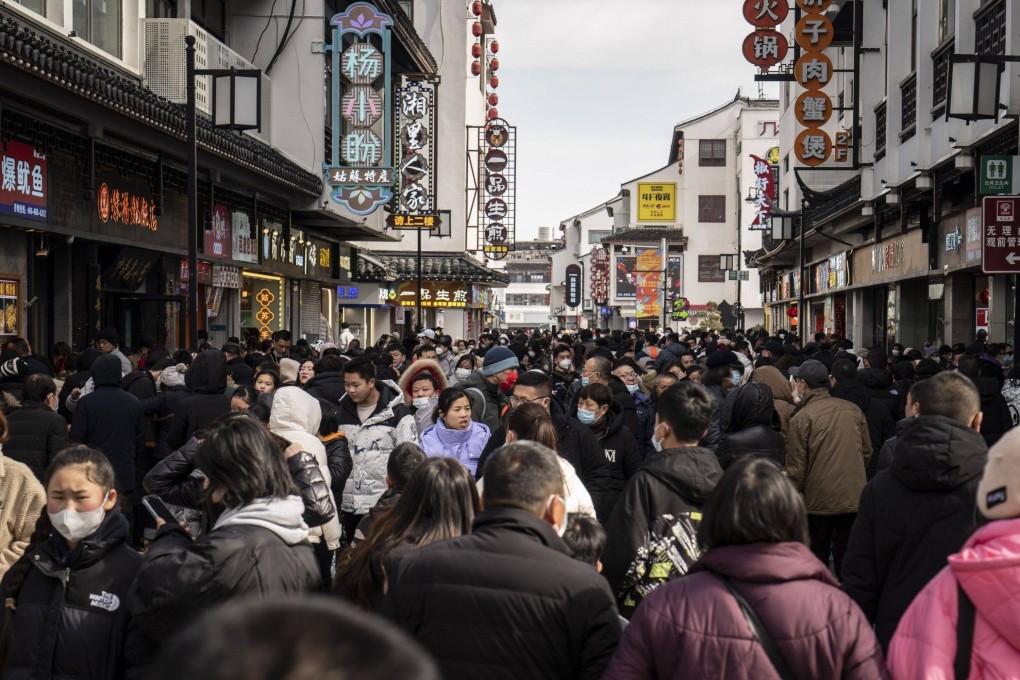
{"x":656,"y":443}
{"x":463,"y":373}
{"x":440,"y":351}
{"x":532,"y":354}
{"x":565,"y":364}
{"x":421,"y":402}
{"x":74,"y":525}
{"x":632,"y":388}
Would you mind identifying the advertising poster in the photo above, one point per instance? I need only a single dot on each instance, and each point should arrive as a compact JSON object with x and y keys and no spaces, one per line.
{"x":639,"y":278}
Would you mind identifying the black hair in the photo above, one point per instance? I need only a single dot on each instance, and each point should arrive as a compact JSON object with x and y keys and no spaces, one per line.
{"x":597,"y":392}
{"x":181,"y":356}
{"x":362,"y":366}
{"x":296,"y":637}
{"x":465,"y":357}
{"x":844,"y":370}
{"x":687,"y":409}
{"x":330,"y":363}
{"x":447,"y":398}
{"x":522,"y":475}
{"x":754,"y":502}
{"x":425,"y":375}
{"x":243,"y":461}
{"x":396,"y":346}
{"x":246,"y":392}
{"x":421,"y":349}
{"x":404,"y":459}
{"x":282,"y":335}
{"x":37,"y":387}
{"x":537,"y":380}
{"x":331,"y":416}
{"x":272,"y":372}
{"x":948,"y":394}
{"x":261,"y":411}
{"x":586,"y":539}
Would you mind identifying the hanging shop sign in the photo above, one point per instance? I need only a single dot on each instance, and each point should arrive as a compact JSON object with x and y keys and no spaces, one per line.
{"x":765,"y":47}
{"x":217,"y":235}
{"x":23,"y":182}
{"x":765,"y":176}
{"x":831,"y":274}
{"x":497,"y":144}
{"x":656,"y":202}
{"x":1000,"y":175}
{"x":415,"y":156}
{"x":10,"y":306}
{"x":681,"y":309}
{"x":360,"y":169}
{"x":813,"y":108}
{"x":296,"y":253}
{"x":262,"y":303}
{"x":244,"y":240}
{"x":434,"y":294}
{"x":572,"y":296}
{"x":224,"y":276}
{"x":1001,"y":235}
{"x":600,"y":275}
{"x":203,"y":274}
{"x":126,"y":202}
{"x":766,"y":13}
{"x":344,"y":263}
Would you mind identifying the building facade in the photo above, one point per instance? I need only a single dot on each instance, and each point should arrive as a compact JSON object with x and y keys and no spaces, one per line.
{"x":527,"y":297}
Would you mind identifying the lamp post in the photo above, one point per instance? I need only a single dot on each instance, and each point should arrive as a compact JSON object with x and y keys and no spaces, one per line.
{"x":782,"y":230}
{"x":237,"y":96}
{"x":974,"y":85}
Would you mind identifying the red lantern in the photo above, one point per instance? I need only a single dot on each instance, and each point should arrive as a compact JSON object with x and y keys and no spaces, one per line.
{"x":792,"y":312}
{"x":476,"y":29}
{"x":494,"y":81}
{"x":476,"y":8}
{"x":476,"y":50}
{"x":493,"y":98}
{"x":493,"y":114}
{"x":476,"y":68}
{"x":494,"y":46}
{"x":494,"y":64}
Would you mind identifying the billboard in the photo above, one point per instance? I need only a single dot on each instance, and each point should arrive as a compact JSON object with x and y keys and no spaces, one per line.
{"x":639,"y":278}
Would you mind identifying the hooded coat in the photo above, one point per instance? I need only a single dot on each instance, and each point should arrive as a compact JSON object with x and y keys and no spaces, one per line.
{"x":623,"y":457}
{"x":750,"y":426}
{"x":879,"y":384}
{"x":912,"y":517}
{"x":328,"y":386}
{"x":371,"y":442}
{"x":112,"y":421}
{"x":986,"y":568}
{"x":296,"y":417}
{"x":439,"y":441}
{"x":881,"y":425}
{"x":693,"y":627}
{"x":423,"y":416}
{"x":782,"y":394}
{"x":669,"y":482}
{"x":207,"y":380}
{"x":72,"y":618}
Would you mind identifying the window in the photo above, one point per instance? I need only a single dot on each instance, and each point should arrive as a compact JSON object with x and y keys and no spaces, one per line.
{"x":880,"y":123}
{"x":711,"y":208}
{"x":712,"y":152}
{"x":99,"y":22}
{"x":161,"y":9}
{"x":908,"y":113}
{"x":940,"y":68}
{"x":708,"y":269}
{"x":947,"y":20}
{"x":527,"y":300}
{"x":37,"y":6}
{"x":538,"y":277}
{"x":210,"y":15}
{"x":595,"y":236}
{"x":990,"y":28}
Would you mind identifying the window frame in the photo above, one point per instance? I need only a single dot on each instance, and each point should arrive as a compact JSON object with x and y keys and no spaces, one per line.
{"x":709,"y":206}
{"x":711,"y":159}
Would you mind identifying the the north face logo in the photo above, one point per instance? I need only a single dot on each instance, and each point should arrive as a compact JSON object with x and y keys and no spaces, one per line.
{"x":105,"y":600}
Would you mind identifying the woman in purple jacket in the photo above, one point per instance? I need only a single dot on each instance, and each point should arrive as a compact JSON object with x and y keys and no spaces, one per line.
{"x":455,"y":434}
{"x":755,"y":536}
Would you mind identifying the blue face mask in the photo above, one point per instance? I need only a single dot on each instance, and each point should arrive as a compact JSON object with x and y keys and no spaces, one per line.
{"x":584,"y":381}
{"x":632,"y":388}
{"x":586,"y":417}
{"x":736,"y":375}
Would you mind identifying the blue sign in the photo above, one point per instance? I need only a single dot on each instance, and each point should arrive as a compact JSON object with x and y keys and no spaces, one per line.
{"x":347,"y":293}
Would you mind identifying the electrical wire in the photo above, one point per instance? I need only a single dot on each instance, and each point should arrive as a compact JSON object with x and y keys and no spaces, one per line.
{"x":301,"y":106}
{"x":272,"y":15}
{"x":442,"y":35}
{"x":283,"y":40}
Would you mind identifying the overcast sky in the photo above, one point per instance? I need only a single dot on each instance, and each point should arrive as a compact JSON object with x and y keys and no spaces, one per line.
{"x":595,"y":88}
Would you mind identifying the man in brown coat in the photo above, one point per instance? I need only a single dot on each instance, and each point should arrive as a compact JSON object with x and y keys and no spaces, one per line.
{"x":827,"y":454}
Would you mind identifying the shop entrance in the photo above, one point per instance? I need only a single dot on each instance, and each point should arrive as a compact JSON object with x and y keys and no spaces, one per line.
{"x":159,"y":317}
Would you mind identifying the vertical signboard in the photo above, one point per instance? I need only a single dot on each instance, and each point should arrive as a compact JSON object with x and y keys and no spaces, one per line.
{"x":360,"y":171}
{"x":497,"y":188}
{"x":23,"y":182}
{"x":1001,"y":235}
{"x":572,"y":296}
{"x":600,"y":275}
{"x":813,"y":109}
{"x":764,"y":191}
{"x":245,"y":243}
{"x":217,"y":236}
{"x":415,"y":153}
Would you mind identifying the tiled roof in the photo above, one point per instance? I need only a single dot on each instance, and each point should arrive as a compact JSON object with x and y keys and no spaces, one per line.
{"x":642,"y":235}
{"x":37,"y":54}
{"x":434,"y":267}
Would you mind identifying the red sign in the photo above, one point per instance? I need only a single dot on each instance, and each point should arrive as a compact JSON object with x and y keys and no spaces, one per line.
{"x":1000,"y":235}
{"x":766,"y":13}
{"x":23,"y":182}
{"x":121,"y":206}
{"x":765,"y":48}
{"x":217,"y":236}
{"x":600,"y":275}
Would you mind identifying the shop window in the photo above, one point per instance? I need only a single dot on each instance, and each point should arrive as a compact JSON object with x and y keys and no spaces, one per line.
{"x":712,"y":153}
{"x":708,"y":269}
{"x":711,"y":208}
{"x":100,"y":23}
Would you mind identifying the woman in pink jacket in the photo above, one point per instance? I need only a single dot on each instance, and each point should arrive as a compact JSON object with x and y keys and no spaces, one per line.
{"x":987,"y":572}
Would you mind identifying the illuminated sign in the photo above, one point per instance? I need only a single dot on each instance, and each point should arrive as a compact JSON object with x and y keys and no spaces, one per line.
{"x":23,"y":182}
{"x":118,"y":205}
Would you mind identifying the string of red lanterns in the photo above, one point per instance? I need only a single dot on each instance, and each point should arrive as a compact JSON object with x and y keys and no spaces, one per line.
{"x":488,"y":52}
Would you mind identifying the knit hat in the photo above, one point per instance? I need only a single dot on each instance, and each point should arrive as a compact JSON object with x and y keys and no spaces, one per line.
{"x":722,"y":357}
{"x":173,"y":376}
{"x":498,"y":359}
{"x":289,"y":371}
{"x":232,"y":348}
{"x":998,"y":494}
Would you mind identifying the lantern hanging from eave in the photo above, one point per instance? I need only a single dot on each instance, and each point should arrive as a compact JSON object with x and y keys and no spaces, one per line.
{"x":476,"y":29}
{"x":493,"y":99}
{"x":494,"y":46}
{"x":493,"y":114}
{"x":476,"y":68}
{"x":476,"y":8}
{"x":494,"y":64}
{"x":476,"y":51}
{"x":494,"y":81}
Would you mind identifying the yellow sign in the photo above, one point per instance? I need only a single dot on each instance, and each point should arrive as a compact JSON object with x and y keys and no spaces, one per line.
{"x":656,"y":202}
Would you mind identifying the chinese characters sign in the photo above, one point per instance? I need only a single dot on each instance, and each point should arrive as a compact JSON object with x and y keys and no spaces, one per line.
{"x":117,"y":204}
{"x":244,"y":241}
{"x":656,"y":202}
{"x":9,"y":306}
{"x":813,"y":109}
{"x":497,"y":188}
{"x":600,"y":275}
{"x":435,"y":294}
{"x":362,"y":124}
{"x":1001,"y":235}
{"x":572,"y":296}
{"x":764,"y":192}
{"x":765,"y":47}
{"x":415,"y":153}
{"x":23,"y":182}
{"x":217,"y":235}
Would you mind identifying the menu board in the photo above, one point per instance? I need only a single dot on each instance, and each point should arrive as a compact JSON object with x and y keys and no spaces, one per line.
{"x":9,"y":309}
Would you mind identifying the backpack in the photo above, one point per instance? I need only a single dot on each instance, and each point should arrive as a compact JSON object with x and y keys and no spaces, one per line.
{"x":670,"y":551}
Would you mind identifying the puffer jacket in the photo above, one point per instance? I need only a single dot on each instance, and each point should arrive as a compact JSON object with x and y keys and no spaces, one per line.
{"x":338,"y":455}
{"x":371,"y":441}
{"x":623,"y":457}
{"x":750,"y":426}
{"x":296,"y":417}
{"x":259,"y":550}
{"x":693,"y":627}
{"x":986,"y":568}
{"x":207,"y":380}
{"x":162,"y":407}
{"x":35,"y":435}
{"x":670,"y":482}
{"x":912,"y":517}
{"x":328,"y":386}
{"x":72,"y":618}
{"x":487,"y":401}
{"x":782,"y":394}
{"x":827,"y":453}
{"x":439,"y":441}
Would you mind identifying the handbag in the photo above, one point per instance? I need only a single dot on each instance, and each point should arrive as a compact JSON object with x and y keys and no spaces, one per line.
{"x":760,"y":633}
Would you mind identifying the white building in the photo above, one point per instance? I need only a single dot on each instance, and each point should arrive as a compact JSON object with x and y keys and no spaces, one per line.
{"x":580,"y":235}
{"x":526,"y":298}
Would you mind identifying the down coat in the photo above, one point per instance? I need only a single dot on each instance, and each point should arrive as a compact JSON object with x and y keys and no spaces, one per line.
{"x":207,"y":379}
{"x":693,"y":627}
{"x":750,"y":426}
{"x":782,"y":394}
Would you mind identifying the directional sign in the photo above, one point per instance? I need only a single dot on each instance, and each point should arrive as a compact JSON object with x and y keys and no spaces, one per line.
{"x":1000,"y":235}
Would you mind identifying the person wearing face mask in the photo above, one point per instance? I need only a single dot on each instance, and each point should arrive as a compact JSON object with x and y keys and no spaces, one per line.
{"x":598,"y":368}
{"x":471,"y":600}
{"x":67,"y":597}
{"x":603,"y":416}
{"x":486,"y":387}
{"x":36,"y":431}
{"x":422,"y":384}
{"x":563,"y":373}
{"x":453,"y":434}
{"x":465,"y":367}
{"x":724,"y":373}
{"x":445,"y":354}
{"x":631,"y":375}
{"x":678,"y":478}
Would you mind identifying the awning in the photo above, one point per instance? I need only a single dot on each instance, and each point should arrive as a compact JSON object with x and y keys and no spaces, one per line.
{"x":434,"y":267}
{"x":335,"y":226}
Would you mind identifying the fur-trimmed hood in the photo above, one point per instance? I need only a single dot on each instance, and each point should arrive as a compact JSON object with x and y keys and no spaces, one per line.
{"x":423,"y":365}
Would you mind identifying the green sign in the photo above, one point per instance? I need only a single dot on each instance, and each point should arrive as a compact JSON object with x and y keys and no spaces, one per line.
{"x":1000,"y":175}
{"x":680,"y":309}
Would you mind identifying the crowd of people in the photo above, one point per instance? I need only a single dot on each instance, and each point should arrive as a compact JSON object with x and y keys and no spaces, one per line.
{"x":523,"y":504}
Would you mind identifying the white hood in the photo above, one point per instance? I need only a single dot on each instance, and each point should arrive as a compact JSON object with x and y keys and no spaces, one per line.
{"x":282,"y":516}
{"x":295,"y":410}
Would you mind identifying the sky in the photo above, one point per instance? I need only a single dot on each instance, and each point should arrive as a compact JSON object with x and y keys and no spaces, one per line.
{"x":595,"y":88}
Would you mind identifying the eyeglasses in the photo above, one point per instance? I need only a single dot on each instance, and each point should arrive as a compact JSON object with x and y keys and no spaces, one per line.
{"x":626,"y":376}
{"x":517,"y":401}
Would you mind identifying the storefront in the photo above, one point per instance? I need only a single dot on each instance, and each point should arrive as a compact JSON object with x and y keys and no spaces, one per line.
{"x":368,"y":308}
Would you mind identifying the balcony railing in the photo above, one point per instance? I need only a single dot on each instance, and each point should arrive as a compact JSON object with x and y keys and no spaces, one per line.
{"x":164,"y":66}
{"x":881,"y":121}
{"x":908,"y":110}
{"x":940,"y":70}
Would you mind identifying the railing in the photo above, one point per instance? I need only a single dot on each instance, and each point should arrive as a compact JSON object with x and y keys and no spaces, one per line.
{"x":881,"y":121}
{"x":940,"y":69}
{"x":908,"y":107}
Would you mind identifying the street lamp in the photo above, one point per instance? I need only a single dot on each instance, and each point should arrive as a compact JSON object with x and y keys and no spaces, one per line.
{"x":782,"y":230}
{"x":236,"y":106}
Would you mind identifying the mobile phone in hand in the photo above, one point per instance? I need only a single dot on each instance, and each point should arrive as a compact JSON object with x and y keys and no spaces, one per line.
{"x":158,"y":509}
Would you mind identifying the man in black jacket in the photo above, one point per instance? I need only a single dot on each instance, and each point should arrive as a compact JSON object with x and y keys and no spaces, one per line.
{"x":240,"y":372}
{"x":881,"y":425}
{"x":207,"y":380}
{"x":508,"y":600}
{"x":921,"y":510}
{"x":36,"y":432}
{"x":876,"y":378}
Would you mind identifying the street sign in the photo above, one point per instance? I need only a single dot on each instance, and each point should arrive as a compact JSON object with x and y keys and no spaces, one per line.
{"x":1000,"y":175}
{"x":1000,"y":235}
{"x":680,"y":307}
{"x":573,"y":294}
